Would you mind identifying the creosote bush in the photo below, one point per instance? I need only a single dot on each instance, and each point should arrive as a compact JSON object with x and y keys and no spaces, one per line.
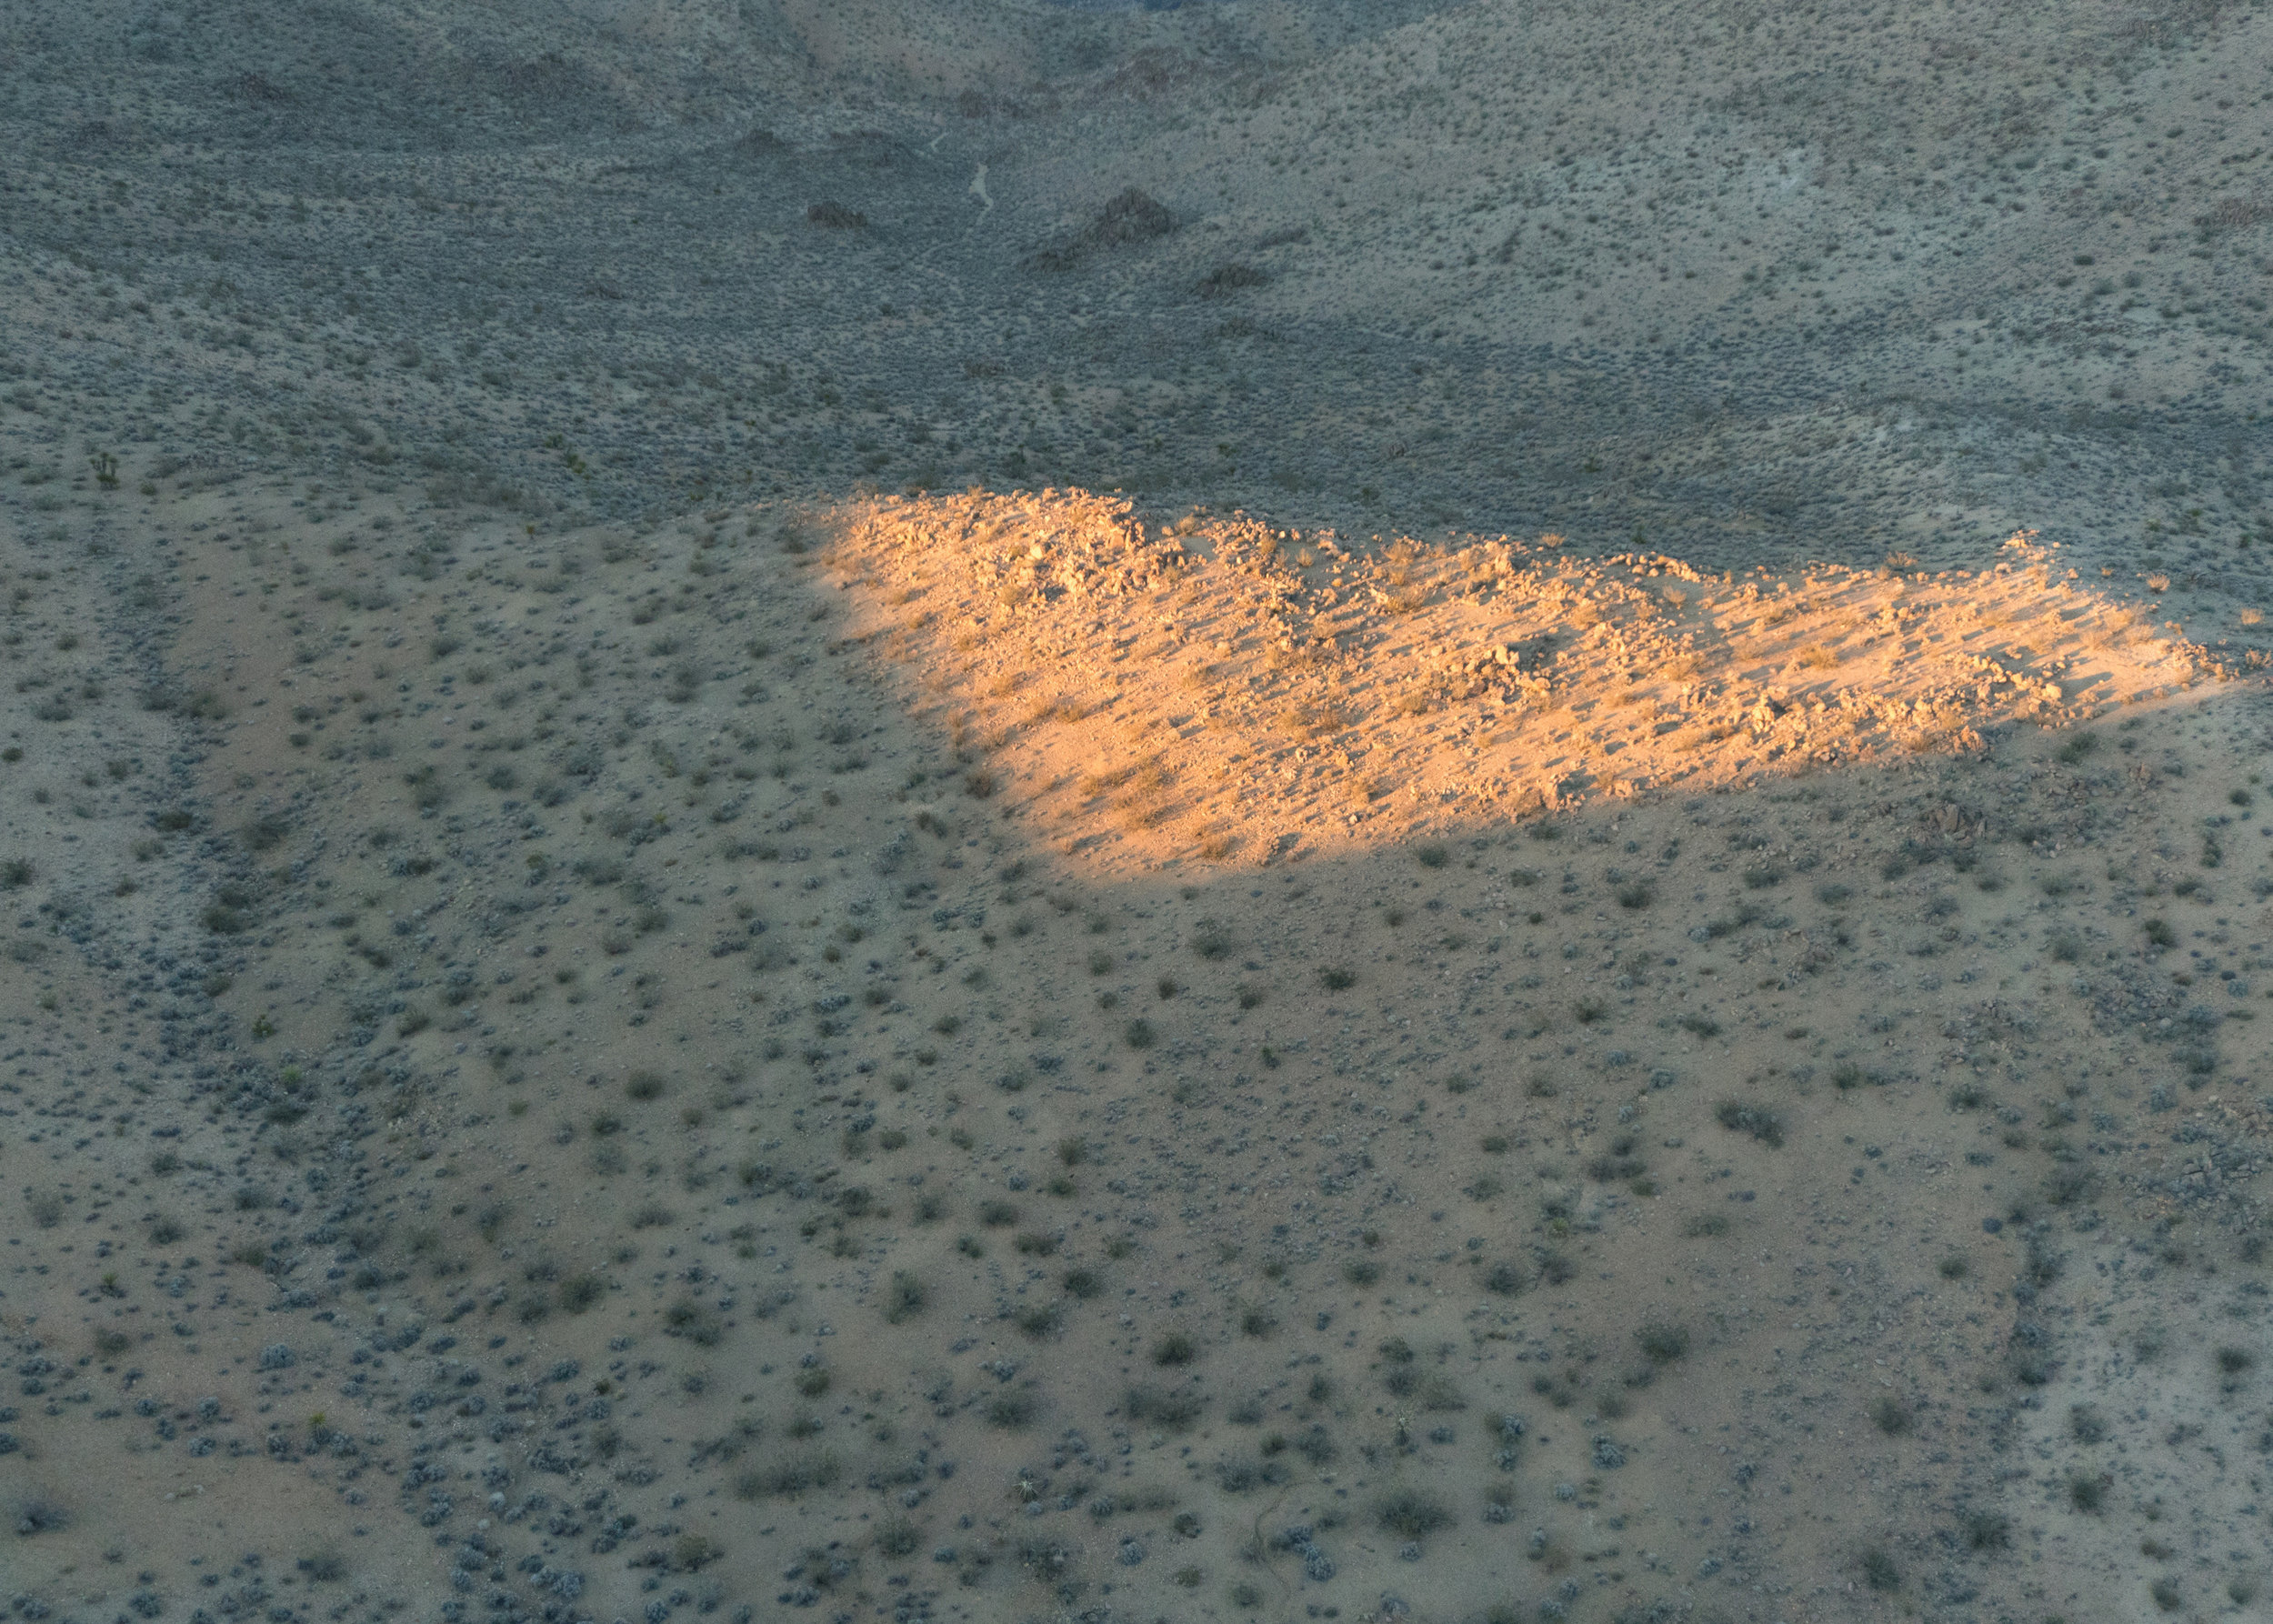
{"x":1174,"y":1347}
{"x":905,"y":1298}
{"x":1662,"y":1343}
{"x":1762,"y":1124}
{"x":1170,"y":1410}
{"x":1411,"y":1513}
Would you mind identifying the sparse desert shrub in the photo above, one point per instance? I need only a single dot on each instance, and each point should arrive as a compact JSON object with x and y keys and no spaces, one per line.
{"x":1890,"y":1415}
{"x":1985,"y":1530}
{"x":1761,"y":1123}
{"x":905,"y":1298}
{"x":1704,"y":1223}
{"x":1044,"y":1559}
{"x":788,"y":1478}
{"x":834,"y":216}
{"x":40,"y":1515}
{"x":691,"y":1553}
{"x":1661,"y":1343}
{"x":266,"y":831}
{"x":1231,"y":277}
{"x":1441,"y":1393}
{"x":1337,"y":977}
{"x":1171,"y":1411}
{"x":1411,"y":1513}
{"x":1174,"y":1347}
{"x":1012,"y":1410}
{"x":1879,"y":1571}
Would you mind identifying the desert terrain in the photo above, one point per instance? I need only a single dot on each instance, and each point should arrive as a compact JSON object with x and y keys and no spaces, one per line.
{"x":1241,"y":811}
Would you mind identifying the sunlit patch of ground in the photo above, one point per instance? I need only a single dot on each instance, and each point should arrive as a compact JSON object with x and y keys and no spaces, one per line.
{"x":1224,"y":689}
